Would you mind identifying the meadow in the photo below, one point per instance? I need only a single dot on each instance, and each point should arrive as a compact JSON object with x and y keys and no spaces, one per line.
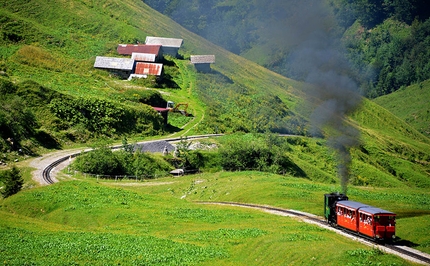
{"x":85,"y":221}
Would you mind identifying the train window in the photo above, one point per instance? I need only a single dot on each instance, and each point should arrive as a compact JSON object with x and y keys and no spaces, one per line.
{"x":376,"y":218}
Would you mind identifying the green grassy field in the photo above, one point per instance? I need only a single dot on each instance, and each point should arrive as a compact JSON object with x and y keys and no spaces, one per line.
{"x":85,"y":221}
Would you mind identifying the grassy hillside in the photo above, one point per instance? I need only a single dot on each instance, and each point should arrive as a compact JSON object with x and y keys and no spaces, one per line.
{"x":411,"y":105}
{"x":47,"y":54}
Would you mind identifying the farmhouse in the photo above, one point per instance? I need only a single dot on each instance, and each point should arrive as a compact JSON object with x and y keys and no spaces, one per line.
{"x":122,"y":67}
{"x":202,"y":63}
{"x":169,"y":46}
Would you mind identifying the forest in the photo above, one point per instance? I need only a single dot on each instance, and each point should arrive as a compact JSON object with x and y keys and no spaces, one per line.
{"x":386,"y":42}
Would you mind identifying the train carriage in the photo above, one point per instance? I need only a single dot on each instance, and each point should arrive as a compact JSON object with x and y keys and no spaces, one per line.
{"x":347,"y":214}
{"x":377,"y":223}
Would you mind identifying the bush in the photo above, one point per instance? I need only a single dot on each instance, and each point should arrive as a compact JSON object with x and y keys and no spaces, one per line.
{"x":103,"y":161}
{"x":12,"y":182}
{"x":258,"y":152}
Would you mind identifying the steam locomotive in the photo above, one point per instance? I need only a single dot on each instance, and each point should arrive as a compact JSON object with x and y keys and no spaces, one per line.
{"x":362,"y":219}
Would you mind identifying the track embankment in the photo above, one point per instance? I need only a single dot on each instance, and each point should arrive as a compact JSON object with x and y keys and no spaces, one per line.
{"x":406,"y":253}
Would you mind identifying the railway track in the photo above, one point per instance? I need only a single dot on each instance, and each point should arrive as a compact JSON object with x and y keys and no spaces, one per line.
{"x":405,"y":252}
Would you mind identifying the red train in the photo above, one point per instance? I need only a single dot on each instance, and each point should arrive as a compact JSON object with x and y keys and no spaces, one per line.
{"x":362,"y":219}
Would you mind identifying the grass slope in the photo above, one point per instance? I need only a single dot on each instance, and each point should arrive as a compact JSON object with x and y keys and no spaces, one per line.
{"x":410,"y":104}
{"x":157,"y":222}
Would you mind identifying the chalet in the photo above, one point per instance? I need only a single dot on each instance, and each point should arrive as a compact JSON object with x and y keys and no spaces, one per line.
{"x":129,"y":49}
{"x":169,"y":46}
{"x":203,"y":62}
{"x":122,"y":67}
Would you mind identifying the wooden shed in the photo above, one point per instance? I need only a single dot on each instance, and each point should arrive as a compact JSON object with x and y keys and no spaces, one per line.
{"x":169,"y":46}
{"x":122,"y":67}
{"x":202,"y":62}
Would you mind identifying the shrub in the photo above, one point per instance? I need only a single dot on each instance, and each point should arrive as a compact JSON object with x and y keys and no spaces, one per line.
{"x":12,"y":182}
{"x":101,"y":161}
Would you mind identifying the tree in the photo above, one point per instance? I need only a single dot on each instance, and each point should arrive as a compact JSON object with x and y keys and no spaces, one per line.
{"x":12,"y":182}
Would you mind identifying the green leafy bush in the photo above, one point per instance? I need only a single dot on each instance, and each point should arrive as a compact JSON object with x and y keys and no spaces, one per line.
{"x":258,"y":152}
{"x":12,"y":182}
{"x":106,"y":117}
{"x":103,"y":161}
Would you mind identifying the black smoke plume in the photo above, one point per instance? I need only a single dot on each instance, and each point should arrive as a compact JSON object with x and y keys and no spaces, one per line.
{"x":319,"y":59}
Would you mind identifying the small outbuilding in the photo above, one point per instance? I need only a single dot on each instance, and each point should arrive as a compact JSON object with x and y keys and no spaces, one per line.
{"x":202,"y":63}
{"x":145,"y":68}
{"x":143,"y":57}
{"x":169,"y":46}
{"x":122,"y":67}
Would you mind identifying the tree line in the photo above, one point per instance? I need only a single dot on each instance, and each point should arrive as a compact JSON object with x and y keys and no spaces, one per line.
{"x":388,"y":50}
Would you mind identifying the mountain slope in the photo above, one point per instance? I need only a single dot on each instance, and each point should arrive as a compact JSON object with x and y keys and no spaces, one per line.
{"x":411,"y":105}
{"x":55,"y":44}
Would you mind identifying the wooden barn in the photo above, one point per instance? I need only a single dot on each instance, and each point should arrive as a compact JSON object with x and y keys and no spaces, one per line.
{"x":122,"y":67}
{"x":202,"y":63}
{"x":169,"y":46}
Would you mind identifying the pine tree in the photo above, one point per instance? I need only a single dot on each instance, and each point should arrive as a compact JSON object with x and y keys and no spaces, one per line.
{"x":12,"y":182}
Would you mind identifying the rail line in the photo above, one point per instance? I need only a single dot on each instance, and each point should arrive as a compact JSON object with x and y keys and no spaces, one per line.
{"x":412,"y":255}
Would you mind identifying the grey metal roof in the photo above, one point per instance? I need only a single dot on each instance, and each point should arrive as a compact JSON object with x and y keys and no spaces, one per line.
{"x":202,"y":59}
{"x":363,"y":207}
{"x":114,"y":63}
{"x":374,"y":210}
{"x":155,"y":146}
{"x":352,"y":204}
{"x":167,"y":42}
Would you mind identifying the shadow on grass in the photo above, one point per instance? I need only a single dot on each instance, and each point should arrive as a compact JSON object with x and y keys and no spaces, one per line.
{"x":172,"y":129}
{"x":46,"y":140}
{"x":405,"y":243}
{"x":412,"y":213}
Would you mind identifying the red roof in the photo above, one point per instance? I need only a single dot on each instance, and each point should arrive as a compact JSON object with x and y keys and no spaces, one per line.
{"x":128,"y":49}
{"x":143,"y":68}
{"x":160,"y":109}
